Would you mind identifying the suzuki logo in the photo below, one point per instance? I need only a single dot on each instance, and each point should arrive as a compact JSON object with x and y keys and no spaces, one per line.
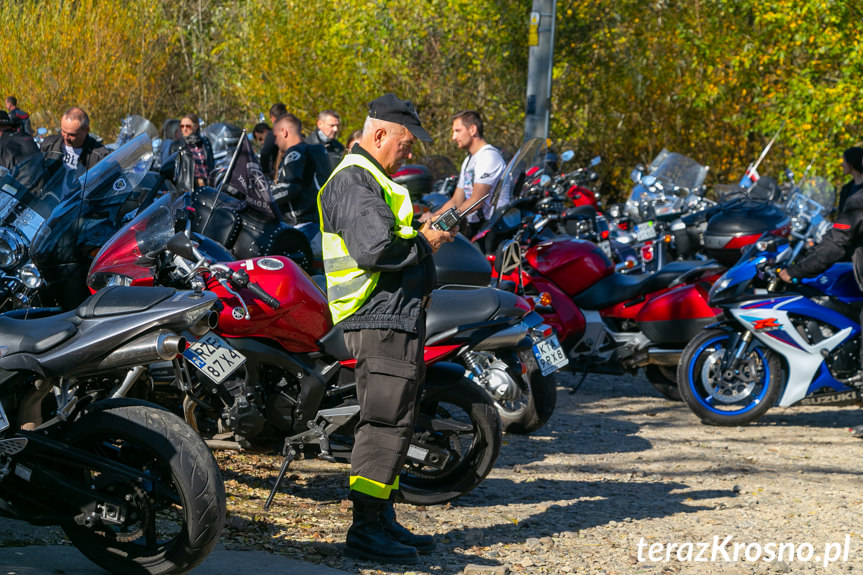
{"x":764,"y":324}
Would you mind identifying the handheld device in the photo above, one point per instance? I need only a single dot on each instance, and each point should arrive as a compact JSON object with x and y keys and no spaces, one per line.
{"x":450,"y":219}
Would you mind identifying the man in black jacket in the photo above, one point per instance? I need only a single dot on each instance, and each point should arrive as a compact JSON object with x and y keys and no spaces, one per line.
{"x":304,"y":169}
{"x":380,"y":274}
{"x":14,"y":145}
{"x":328,"y":126}
{"x":74,"y":145}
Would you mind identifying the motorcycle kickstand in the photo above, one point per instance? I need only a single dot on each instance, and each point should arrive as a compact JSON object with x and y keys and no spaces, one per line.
{"x":289,"y":457}
{"x":584,"y":375}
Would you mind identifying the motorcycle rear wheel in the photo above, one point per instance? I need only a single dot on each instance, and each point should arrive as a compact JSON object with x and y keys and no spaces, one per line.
{"x":536,"y":404}
{"x":463,"y":421}
{"x":179,"y":507}
{"x":715,"y":398}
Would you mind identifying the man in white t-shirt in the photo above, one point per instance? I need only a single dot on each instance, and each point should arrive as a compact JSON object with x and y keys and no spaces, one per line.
{"x":480,"y":171}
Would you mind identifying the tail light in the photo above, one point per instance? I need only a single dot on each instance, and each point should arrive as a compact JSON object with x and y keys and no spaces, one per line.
{"x":647,"y":252}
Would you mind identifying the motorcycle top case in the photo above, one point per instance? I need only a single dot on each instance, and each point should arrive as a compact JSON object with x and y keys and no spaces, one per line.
{"x":416,"y":178}
{"x":738,"y":225}
{"x":571,"y":263}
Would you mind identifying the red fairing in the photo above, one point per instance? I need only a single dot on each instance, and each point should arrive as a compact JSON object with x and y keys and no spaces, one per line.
{"x":582,"y":197}
{"x":566,"y":318}
{"x":303,"y":315}
{"x":681,"y":303}
{"x":571,"y":263}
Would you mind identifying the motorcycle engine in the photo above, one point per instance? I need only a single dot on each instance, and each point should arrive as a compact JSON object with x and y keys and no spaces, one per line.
{"x":244,"y":416}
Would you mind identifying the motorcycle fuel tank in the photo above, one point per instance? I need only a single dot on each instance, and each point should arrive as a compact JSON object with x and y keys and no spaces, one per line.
{"x":461,"y":262}
{"x":571,"y":263}
{"x":302,"y":318}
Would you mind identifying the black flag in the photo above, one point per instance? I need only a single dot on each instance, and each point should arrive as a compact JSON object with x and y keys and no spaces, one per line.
{"x":247,"y":181}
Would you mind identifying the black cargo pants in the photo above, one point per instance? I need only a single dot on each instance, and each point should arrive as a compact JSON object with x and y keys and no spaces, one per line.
{"x":390,"y":370}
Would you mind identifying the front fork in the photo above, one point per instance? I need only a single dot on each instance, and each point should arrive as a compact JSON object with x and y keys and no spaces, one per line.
{"x":734,"y":355}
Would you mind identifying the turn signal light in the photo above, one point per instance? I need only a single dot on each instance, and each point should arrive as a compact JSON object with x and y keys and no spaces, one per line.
{"x":544,"y":299}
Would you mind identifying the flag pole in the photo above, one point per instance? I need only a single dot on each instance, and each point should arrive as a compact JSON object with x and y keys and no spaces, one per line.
{"x":225,"y":178}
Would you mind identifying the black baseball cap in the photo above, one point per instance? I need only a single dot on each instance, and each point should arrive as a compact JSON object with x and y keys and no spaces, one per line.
{"x":391,"y":108}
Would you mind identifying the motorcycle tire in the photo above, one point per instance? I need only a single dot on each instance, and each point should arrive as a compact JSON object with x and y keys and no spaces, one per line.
{"x":663,"y":379}
{"x":533,"y":409}
{"x":462,"y":421}
{"x":179,"y":509}
{"x":717,"y":401}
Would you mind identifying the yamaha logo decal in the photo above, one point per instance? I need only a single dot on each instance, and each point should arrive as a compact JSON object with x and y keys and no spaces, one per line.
{"x":238,"y":313}
{"x":120,"y":185}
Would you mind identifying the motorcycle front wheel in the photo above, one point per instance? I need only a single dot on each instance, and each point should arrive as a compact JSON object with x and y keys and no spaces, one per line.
{"x":534,"y":407}
{"x":457,"y":438}
{"x":722,"y":396}
{"x":174,"y":515}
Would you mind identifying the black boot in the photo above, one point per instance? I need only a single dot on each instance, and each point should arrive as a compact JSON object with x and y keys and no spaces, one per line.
{"x":368,"y":539}
{"x":422,"y":543}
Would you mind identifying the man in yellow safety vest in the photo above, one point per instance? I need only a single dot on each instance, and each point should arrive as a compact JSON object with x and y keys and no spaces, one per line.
{"x":379,"y":274}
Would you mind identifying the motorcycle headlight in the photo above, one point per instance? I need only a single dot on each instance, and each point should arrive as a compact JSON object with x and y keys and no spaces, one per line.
{"x":30,"y":276}
{"x":11,"y":249}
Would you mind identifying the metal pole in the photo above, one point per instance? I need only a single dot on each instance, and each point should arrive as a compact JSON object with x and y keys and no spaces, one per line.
{"x":540,"y":61}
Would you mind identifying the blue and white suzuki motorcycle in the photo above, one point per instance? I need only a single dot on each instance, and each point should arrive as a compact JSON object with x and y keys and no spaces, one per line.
{"x":779,"y":344}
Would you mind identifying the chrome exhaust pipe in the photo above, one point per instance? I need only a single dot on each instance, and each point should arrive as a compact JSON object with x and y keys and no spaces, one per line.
{"x":670,"y":357}
{"x":162,"y":345}
{"x":205,"y":324}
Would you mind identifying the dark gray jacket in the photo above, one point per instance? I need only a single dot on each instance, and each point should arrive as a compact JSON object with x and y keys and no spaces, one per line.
{"x":335,"y":149}
{"x":353,"y":206}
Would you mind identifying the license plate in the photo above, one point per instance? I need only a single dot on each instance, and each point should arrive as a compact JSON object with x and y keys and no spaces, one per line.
{"x":4,"y":421}
{"x":645,"y":231}
{"x":549,"y":355}
{"x":214,"y":357}
{"x":605,"y":246}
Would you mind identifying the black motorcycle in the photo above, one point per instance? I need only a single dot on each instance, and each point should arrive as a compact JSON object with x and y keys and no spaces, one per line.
{"x":131,"y":484}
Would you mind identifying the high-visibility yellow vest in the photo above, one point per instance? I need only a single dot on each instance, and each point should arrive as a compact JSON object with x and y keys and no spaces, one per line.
{"x":348,"y":286}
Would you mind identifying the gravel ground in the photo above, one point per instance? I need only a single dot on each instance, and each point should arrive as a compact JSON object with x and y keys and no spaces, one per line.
{"x":620,"y":481}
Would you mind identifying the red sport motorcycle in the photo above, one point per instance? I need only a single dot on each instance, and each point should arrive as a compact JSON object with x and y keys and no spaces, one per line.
{"x":275,"y":373}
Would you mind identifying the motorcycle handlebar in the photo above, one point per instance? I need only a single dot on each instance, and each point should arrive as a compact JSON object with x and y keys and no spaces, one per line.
{"x":263,"y":295}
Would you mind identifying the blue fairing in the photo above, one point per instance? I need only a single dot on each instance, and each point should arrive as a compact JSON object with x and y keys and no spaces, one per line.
{"x":808,"y":308}
{"x":825,"y":379}
{"x":838,"y":282}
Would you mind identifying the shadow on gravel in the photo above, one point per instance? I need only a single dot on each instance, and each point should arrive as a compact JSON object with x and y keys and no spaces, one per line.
{"x":601,"y":503}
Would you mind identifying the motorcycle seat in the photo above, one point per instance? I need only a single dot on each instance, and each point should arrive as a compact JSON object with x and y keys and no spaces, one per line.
{"x":452,"y":308}
{"x":35,"y":335}
{"x":114,"y":300}
{"x":618,"y":287}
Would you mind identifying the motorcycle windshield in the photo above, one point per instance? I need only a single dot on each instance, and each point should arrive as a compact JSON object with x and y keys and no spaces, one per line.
{"x":119,"y":172}
{"x":668,"y":171}
{"x":526,"y":163}
{"x":128,"y":252}
{"x":678,"y":170}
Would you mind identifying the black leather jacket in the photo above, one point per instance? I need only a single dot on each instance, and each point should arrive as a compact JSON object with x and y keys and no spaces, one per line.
{"x":92,"y":151}
{"x":353,"y":207}
{"x":304,"y":169}
{"x":14,"y":147}
{"x":843,"y":239}
{"x":205,"y":143}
